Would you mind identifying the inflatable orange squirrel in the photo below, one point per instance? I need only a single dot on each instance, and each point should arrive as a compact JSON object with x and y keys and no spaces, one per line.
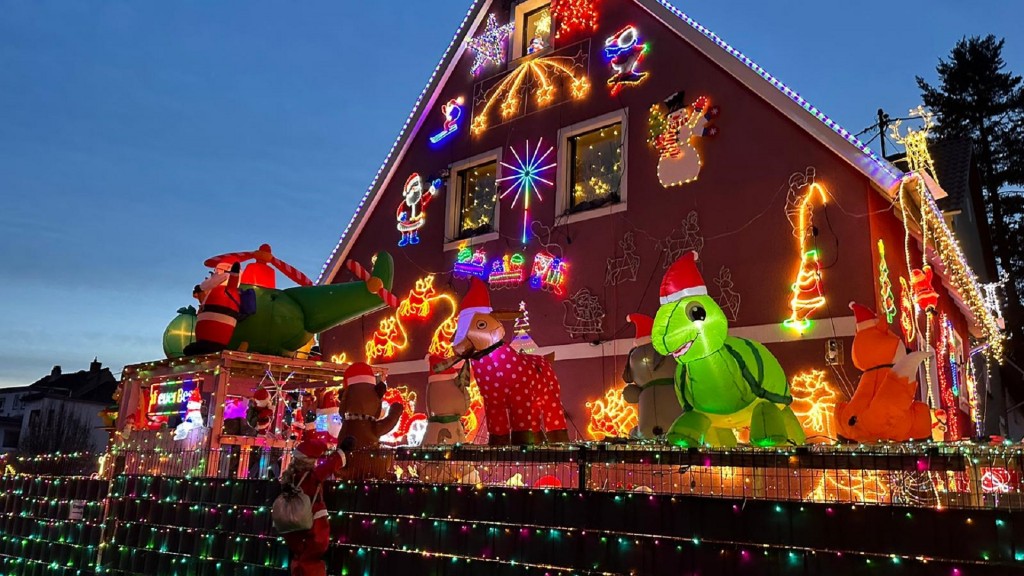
{"x":883,"y":407}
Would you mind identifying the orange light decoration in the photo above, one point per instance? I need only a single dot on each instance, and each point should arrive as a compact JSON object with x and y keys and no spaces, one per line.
{"x":814,"y":402}
{"x":868,"y":487}
{"x":391,"y":335}
{"x":407,"y":398}
{"x":807,"y":290}
{"x":611,"y":415}
{"x":539,"y":72}
{"x":908,"y":312}
{"x":472,"y":418}
{"x":341,"y":358}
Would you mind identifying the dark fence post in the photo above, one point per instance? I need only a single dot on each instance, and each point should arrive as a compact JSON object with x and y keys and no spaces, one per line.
{"x":582,"y":469}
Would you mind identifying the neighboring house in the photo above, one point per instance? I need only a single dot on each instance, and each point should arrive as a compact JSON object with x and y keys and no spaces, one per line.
{"x":11,"y":410}
{"x":54,"y":412}
{"x":608,"y":119}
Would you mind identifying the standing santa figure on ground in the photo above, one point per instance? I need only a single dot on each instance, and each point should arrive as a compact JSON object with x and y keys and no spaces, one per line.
{"x":308,"y":470}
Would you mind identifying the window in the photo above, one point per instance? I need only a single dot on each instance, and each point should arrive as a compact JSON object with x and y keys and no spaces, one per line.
{"x":478,"y":197}
{"x":532,"y":33}
{"x":596,"y":169}
{"x":472,"y":200}
{"x":11,"y":438}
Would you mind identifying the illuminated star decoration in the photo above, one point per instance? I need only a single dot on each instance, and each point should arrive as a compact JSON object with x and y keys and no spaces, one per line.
{"x":489,"y":47}
{"x":525,"y":176}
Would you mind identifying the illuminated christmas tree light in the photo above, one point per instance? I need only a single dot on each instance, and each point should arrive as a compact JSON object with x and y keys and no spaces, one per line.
{"x":526,"y":174}
{"x":885,"y":285}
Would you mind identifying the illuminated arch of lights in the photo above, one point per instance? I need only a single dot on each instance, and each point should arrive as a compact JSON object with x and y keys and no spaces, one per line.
{"x":539,"y":75}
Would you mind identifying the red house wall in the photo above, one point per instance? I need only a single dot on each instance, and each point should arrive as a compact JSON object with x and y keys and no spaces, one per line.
{"x":740,"y":198}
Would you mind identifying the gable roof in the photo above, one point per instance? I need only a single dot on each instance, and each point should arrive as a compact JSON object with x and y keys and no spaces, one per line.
{"x":757,"y":79}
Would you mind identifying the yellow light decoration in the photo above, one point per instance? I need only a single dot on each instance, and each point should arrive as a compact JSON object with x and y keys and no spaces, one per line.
{"x":472,"y":418}
{"x":340,"y":358}
{"x":885,"y":285}
{"x":957,"y":271}
{"x":915,"y":142}
{"x":507,"y":94}
{"x":814,"y":402}
{"x":908,"y":313}
{"x":868,"y":487}
{"x":391,"y":336}
{"x":611,"y":415}
{"x":807,"y":290}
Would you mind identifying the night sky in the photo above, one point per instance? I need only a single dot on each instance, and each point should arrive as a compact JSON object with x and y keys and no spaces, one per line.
{"x":139,"y":138}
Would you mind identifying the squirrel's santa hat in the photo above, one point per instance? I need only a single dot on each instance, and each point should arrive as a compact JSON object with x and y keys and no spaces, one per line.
{"x":476,"y":301}
{"x":359,"y":373}
{"x":643,"y":324}
{"x":434,"y":362}
{"x":682,"y":280}
{"x":864,"y":317}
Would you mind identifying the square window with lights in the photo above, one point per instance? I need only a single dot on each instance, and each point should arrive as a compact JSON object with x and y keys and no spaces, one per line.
{"x":532,"y":33}
{"x":592,"y":168}
{"x":477,"y":200}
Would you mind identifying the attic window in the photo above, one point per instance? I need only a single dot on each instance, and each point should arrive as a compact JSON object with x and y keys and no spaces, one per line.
{"x":532,"y":32}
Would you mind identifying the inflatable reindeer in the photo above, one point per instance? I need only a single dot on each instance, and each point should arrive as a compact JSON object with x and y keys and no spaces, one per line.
{"x":522,"y":398}
{"x":883,"y":407}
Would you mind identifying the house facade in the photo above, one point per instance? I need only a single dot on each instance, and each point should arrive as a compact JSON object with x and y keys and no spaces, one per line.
{"x":567,"y":152}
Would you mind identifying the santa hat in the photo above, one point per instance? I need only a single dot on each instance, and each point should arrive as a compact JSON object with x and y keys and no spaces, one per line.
{"x":863,"y":315}
{"x":359,"y":373}
{"x":682,"y":280}
{"x":446,"y":374}
{"x":476,"y":301}
{"x":195,"y":401}
{"x":643,"y":324}
{"x":312,"y":449}
{"x":328,"y":403}
{"x":261,"y":397}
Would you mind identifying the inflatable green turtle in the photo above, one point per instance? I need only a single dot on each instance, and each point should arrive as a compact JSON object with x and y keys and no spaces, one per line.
{"x":722,"y":382}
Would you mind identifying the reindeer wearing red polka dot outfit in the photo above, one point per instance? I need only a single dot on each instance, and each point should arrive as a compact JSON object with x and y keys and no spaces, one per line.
{"x":522,"y":397}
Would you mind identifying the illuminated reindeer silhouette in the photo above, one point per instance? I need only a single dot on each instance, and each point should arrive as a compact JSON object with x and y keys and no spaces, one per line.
{"x":625,"y":267}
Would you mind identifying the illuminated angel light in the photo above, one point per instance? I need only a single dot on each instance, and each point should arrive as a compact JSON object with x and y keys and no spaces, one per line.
{"x":489,"y":47}
{"x":807,"y":290}
{"x":542,"y":72}
{"x":814,"y":402}
{"x":611,"y":415}
{"x":525,"y":177}
{"x":421,"y":302}
{"x":888,"y":299}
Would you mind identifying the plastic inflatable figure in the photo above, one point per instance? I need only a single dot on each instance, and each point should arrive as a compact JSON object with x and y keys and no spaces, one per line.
{"x":650,"y":385}
{"x":883,"y":407}
{"x":218,"y":313}
{"x":723,"y":382}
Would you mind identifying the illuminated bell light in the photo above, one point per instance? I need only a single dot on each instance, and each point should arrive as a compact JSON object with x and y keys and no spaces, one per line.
{"x":673,"y":135}
{"x":625,"y":52}
{"x":525,"y":177}
{"x":452,"y":111}
{"x":489,"y":47}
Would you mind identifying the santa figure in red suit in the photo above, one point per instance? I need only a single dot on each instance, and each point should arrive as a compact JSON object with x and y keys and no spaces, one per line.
{"x":310,"y":467}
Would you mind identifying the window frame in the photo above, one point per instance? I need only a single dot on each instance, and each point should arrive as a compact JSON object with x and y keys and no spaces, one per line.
{"x":521,"y":10}
{"x":565,"y":164}
{"x":454,"y":198}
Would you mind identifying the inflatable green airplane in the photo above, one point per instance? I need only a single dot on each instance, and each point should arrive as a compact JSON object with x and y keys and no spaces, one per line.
{"x":285,"y":321}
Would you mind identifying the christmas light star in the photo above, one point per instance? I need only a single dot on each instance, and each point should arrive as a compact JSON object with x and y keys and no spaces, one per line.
{"x":489,"y":47}
{"x":525,"y":176}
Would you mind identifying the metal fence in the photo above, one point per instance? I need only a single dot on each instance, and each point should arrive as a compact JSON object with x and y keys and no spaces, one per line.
{"x":931,"y":475}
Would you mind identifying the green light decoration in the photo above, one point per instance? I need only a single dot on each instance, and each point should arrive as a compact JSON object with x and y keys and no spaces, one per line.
{"x":885,"y":285}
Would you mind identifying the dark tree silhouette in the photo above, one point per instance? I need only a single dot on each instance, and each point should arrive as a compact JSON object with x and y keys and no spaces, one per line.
{"x":977,"y":98}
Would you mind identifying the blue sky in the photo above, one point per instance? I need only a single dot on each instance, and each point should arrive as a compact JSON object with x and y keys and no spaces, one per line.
{"x":139,"y":138}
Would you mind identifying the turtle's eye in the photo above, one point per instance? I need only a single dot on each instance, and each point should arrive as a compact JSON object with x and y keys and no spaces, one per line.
{"x":696,"y":313}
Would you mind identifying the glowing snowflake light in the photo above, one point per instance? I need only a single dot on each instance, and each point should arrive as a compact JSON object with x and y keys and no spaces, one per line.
{"x":525,"y":176}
